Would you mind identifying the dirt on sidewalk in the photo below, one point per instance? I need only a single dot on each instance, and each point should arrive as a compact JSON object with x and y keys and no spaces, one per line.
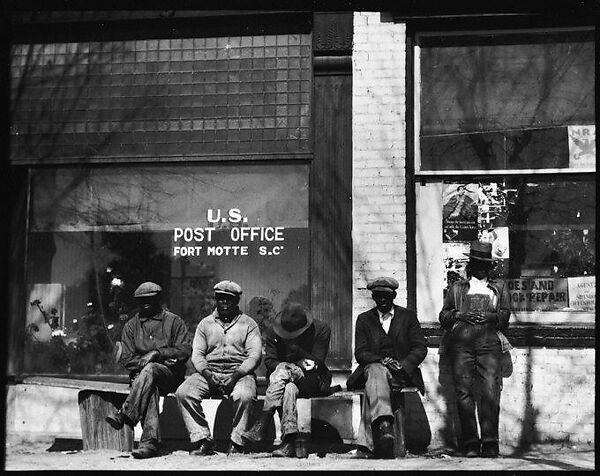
{"x":57,"y":455}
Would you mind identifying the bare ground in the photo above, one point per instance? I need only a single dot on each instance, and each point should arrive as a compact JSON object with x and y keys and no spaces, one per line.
{"x":57,"y":455}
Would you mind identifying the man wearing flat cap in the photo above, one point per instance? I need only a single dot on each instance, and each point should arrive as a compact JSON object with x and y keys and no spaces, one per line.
{"x":474,"y":313}
{"x":295,"y":352}
{"x":155,"y":347}
{"x":226,"y":351}
{"x":389,"y":347}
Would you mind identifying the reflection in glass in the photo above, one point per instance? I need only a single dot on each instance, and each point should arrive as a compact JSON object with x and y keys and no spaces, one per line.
{"x":97,"y":233}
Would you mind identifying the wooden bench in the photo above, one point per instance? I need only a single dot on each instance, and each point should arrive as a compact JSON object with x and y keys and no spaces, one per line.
{"x":304,"y":407}
{"x":97,"y":399}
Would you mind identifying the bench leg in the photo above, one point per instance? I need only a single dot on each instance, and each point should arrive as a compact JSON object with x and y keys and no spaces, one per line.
{"x":304,"y":409}
{"x":399,"y":440}
{"x":96,"y":433}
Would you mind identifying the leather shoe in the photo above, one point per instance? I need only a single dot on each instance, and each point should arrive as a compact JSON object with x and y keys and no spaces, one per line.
{"x":286,"y":450}
{"x":117,"y":420}
{"x":490,"y":450}
{"x":235,"y":449}
{"x":362,"y":454}
{"x":385,"y":440}
{"x":472,"y":450}
{"x":144,"y":452}
{"x":203,"y":447}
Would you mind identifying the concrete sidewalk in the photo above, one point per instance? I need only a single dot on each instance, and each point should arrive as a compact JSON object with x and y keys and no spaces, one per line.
{"x":53,"y":456}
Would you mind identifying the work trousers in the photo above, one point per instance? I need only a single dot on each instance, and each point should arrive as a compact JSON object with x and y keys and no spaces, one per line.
{"x":283,"y":392}
{"x":476,"y":353}
{"x":189,"y":399}
{"x":377,"y":401}
{"x":141,"y":405}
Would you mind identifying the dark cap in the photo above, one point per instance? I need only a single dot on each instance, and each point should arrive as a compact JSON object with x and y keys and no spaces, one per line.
{"x":480,"y":250}
{"x":292,"y":321}
{"x":228,"y":287}
{"x":384,"y":284}
{"x":147,"y":289}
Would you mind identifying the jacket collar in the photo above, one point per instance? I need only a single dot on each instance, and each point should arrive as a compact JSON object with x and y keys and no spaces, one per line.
{"x":157,"y":317}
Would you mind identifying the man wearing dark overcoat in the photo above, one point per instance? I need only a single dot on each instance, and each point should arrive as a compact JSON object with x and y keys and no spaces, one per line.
{"x":389,"y":347}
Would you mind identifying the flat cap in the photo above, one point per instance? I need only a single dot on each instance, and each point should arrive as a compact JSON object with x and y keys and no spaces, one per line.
{"x":383,"y":284}
{"x":147,"y":289}
{"x":228,"y":287}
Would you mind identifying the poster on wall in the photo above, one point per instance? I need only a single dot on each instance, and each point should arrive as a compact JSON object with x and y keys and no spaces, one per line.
{"x":492,"y":209}
{"x":455,"y":261}
{"x":459,"y":212}
{"x":582,"y":293}
{"x":498,"y":237}
{"x":474,"y":211}
{"x":582,"y":147}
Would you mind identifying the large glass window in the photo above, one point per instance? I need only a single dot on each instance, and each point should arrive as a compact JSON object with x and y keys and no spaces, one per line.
{"x":96,"y":233}
{"x":505,"y":152}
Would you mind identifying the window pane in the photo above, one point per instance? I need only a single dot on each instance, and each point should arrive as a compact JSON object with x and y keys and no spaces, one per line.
{"x":147,"y":98}
{"x":504,"y":101}
{"x":98,"y":233}
{"x":542,"y":232}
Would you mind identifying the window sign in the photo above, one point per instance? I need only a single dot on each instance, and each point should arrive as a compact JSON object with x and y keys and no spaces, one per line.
{"x":582,"y":147}
{"x":582,"y":293}
{"x":96,"y":233}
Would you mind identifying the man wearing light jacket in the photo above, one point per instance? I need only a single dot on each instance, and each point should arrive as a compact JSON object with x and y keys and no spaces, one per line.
{"x":226,"y":350}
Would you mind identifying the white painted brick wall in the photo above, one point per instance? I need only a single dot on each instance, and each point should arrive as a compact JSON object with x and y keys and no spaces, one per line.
{"x":550,"y":396}
{"x":379,"y":153}
{"x":551,"y":393}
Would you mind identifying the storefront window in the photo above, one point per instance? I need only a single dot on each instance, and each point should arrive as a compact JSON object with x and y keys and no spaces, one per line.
{"x":96,"y":233}
{"x":505,"y":153}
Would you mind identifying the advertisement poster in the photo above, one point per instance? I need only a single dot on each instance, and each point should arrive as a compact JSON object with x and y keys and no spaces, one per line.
{"x":498,"y":237}
{"x":460,"y":207}
{"x":582,"y":147}
{"x":492,"y":205}
{"x":455,"y":261}
{"x":582,"y":293}
{"x":537,"y":294}
{"x":474,"y":211}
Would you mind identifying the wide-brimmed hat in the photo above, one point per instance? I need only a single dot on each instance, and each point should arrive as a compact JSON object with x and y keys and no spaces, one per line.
{"x":480,"y":250}
{"x":147,"y":289}
{"x":292,"y":321}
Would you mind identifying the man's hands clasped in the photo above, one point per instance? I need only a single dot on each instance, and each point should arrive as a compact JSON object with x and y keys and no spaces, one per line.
{"x":221,"y":383}
{"x":148,"y":357}
{"x":477,"y":317}
{"x":392,"y":364}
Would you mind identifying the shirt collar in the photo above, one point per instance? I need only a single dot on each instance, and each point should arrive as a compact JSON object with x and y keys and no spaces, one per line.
{"x":390,"y":313}
{"x":157,"y":317}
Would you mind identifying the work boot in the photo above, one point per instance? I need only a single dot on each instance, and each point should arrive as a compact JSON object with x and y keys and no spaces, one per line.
{"x":147,"y":449}
{"x":489,"y":449}
{"x":204,"y":447}
{"x":144,"y":452}
{"x":235,"y":449}
{"x":385,"y":440}
{"x":471,"y":450}
{"x":117,"y":420}
{"x":258,"y":431}
{"x":286,"y":450}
